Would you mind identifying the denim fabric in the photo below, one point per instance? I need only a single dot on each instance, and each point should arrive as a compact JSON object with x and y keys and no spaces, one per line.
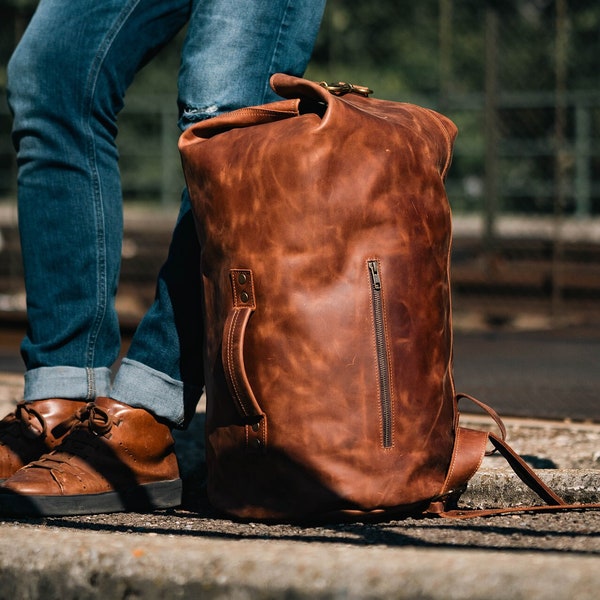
{"x":67,"y":82}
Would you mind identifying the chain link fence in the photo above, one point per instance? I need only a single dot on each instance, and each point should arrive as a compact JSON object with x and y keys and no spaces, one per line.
{"x":521,"y":80}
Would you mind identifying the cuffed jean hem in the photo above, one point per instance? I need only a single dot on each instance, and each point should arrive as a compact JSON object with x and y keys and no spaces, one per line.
{"x":140,"y":386}
{"x":72,"y":383}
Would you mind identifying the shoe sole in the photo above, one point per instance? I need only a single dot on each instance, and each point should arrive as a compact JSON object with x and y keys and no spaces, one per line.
{"x":142,"y":498}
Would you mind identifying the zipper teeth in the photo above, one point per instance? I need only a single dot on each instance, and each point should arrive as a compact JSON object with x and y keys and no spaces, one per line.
{"x":382,"y":354}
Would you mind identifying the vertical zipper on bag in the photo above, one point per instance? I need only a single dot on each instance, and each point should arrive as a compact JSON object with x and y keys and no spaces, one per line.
{"x":385,"y":393}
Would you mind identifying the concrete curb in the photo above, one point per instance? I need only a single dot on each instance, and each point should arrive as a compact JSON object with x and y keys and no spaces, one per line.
{"x":95,"y":559}
{"x":84,"y":565}
{"x":501,"y":487}
{"x":65,"y":560}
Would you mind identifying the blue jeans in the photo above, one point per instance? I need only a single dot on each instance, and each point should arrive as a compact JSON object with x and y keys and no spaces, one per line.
{"x":67,"y":81}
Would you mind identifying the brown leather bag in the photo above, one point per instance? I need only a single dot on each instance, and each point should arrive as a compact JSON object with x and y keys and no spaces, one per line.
{"x":325,"y":233}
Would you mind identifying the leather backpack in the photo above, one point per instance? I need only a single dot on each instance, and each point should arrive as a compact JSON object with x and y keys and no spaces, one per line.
{"x":325,"y":232}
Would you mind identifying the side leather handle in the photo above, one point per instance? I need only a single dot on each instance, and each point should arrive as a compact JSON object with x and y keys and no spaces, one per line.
{"x":232,"y":353}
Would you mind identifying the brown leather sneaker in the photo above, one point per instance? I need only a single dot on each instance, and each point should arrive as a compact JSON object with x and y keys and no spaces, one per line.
{"x":31,"y":430}
{"x":115,"y":458}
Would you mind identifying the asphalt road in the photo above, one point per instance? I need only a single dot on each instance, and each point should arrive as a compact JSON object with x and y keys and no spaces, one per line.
{"x":552,"y":374}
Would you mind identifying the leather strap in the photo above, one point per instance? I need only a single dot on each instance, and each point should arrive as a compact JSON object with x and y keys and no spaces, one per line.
{"x":554,"y":502}
{"x":491,"y":512}
{"x":232,"y":352}
{"x":525,"y":472}
{"x":469,"y":450}
{"x":489,"y":410}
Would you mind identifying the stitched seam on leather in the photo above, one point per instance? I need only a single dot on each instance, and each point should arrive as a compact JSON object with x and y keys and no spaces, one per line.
{"x":251,"y":302}
{"x":234,"y":286}
{"x":389,"y":370}
{"x":264,"y":431}
{"x":453,"y":463}
{"x":374,"y":350}
{"x":476,"y":467}
{"x":448,"y":143}
{"x":230,"y":361}
{"x":454,"y":460}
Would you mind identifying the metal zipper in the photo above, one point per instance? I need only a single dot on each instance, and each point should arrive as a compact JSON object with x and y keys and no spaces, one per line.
{"x":385,"y":392}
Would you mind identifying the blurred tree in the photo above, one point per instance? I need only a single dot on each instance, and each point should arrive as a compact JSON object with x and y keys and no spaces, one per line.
{"x":432,"y":52}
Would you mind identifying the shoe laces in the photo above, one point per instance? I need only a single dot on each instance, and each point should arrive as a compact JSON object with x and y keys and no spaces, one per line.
{"x":91,"y":417}
{"x":29,"y":421}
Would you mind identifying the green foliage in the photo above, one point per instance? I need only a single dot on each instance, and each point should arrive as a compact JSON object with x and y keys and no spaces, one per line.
{"x":438,"y":53}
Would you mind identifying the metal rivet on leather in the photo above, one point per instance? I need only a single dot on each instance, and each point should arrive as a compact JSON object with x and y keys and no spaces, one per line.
{"x":255,"y":426}
{"x":243,"y":288}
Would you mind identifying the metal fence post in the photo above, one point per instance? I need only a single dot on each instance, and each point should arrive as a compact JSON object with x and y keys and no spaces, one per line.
{"x":583,"y":145}
{"x":561,"y":157}
{"x":491,"y":130}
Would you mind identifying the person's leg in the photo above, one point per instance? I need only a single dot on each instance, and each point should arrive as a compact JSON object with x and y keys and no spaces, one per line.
{"x":231,"y":50}
{"x":119,"y":454}
{"x":67,"y":79}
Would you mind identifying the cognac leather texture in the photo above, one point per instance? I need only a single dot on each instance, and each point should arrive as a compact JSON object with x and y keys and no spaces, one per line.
{"x":110,"y":447}
{"x":325,"y":232}
{"x":31,"y":430}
